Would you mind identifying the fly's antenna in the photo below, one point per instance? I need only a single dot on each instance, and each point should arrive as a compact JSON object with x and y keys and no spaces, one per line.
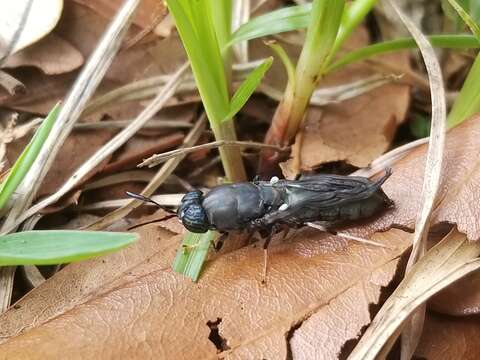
{"x":151,"y":222}
{"x":149,"y":200}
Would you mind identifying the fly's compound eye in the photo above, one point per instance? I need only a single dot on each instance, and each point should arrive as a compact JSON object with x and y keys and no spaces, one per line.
{"x":192,"y":214}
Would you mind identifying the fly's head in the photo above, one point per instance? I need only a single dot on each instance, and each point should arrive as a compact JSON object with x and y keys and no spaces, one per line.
{"x":192,"y":214}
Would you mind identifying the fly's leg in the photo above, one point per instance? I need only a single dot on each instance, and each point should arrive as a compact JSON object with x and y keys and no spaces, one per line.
{"x":217,"y":245}
{"x":273,"y":230}
{"x":265,"y":257}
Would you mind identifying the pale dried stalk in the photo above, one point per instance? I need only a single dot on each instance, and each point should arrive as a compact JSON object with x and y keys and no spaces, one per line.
{"x":110,"y":147}
{"x":451,"y":259}
{"x":120,"y":124}
{"x":163,"y":173}
{"x":241,"y":14}
{"x":9,"y":83}
{"x":82,"y":90}
{"x":159,"y":158}
{"x":164,"y":199}
{"x":339,"y":93}
{"x":122,"y":177}
{"x":144,"y":88}
{"x":433,"y":170}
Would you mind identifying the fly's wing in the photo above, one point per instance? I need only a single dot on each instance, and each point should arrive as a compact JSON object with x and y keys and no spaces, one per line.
{"x":312,"y":197}
{"x":322,"y":191}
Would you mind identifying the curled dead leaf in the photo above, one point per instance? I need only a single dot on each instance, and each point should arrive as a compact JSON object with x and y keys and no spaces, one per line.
{"x":53,"y":55}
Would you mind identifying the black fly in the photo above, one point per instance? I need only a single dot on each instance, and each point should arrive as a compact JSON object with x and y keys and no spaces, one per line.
{"x":266,"y":206}
{"x":263,"y":206}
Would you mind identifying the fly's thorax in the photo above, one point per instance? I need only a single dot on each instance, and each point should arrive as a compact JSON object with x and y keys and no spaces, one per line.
{"x":192,"y":214}
{"x":231,"y":207}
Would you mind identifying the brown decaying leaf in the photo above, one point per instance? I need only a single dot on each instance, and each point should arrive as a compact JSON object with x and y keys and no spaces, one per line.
{"x":459,"y":299}
{"x":450,"y":260}
{"x":458,"y":191}
{"x":53,"y":55}
{"x":145,"y":15}
{"x":79,"y":282}
{"x":449,"y":338}
{"x":151,"y":305}
{"x":82,"y":27}
{"x":360,"y":129}
{"x":73,"y":153}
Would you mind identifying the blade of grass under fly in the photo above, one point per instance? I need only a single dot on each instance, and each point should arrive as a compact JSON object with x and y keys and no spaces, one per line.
{"x":28,"y":156}
{"x":47,"y":247}
{"x":191,"y":256}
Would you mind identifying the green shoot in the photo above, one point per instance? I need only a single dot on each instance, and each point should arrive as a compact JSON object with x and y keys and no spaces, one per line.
{"x":320,"y":44}
{"x":468,"y":101}
{"x":27,"y":158}
{"x":205,"y":29}
{"x":438,"y":41}
{"x":48,"y":247}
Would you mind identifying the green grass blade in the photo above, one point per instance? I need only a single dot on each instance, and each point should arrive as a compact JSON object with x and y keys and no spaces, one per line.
{"x":46,"y":247}
{"x":440,"y":41}
{"x":466,"y":18}
{"x":286,"y":61}
{"x":467,"y":102}
{"x":27,"y":158}
{"x":247,"y":88}
{"x":352,"y":17}
{"x":193,"y":253}
{"x":275,"y":22}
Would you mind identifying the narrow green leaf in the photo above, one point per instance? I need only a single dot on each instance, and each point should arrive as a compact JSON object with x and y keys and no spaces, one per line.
{"x":27,"y":158}
{"x":287,"y":63}
{"x":466,"y":18}
{"x":352,"y":17}
{"x":247,"y":88}
{"x":467,"y":102}
{"x":275,"y":22}
{"x":46,"y":247}
{"x":193,"y":253}
{"x":440,"y":41}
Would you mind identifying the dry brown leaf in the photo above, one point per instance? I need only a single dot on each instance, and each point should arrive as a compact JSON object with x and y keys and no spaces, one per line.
{"x":459,"y":299}
{"x":53,"y":55}
{"x":154,"y":306}
{"x":448,"y":338}
{"x":82,"y":27}
{"x":76,"y":149}
{"x":146,"y":13}
{"x":80,"y":281}
{"x":360,"y":129}
{"x":458,"y":190}
{"x":450,"y":260}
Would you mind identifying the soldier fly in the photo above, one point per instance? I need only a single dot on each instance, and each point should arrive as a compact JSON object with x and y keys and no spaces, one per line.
{"x":265,"y":206}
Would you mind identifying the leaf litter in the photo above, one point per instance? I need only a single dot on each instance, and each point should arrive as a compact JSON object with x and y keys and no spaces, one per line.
{"x":299,"y":262}
{"x":232,"y":314}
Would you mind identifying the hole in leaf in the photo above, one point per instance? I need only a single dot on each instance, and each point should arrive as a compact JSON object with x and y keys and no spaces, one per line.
{"x":218,"y":340}
{"x":289,"y":336}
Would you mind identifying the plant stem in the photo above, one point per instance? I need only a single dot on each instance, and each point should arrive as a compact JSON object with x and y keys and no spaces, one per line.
{"x":321,"y":36}
{"x":230,"y":155}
